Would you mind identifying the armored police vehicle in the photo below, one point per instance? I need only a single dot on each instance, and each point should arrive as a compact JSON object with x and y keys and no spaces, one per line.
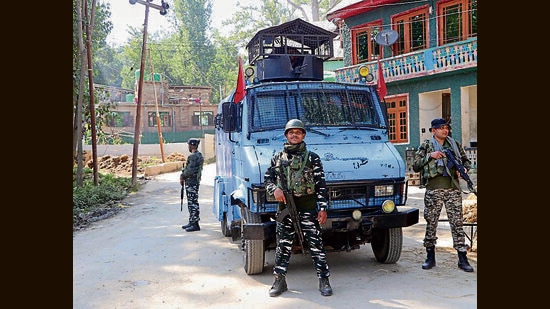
{"x":346,"y":125}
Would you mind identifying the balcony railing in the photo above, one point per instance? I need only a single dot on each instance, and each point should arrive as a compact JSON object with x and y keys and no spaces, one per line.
{"x":449,"y":57}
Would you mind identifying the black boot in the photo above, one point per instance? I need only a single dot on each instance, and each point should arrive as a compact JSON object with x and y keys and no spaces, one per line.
{"x":463,"y":262}
{"x":193,"y":227}
{"x":430,"y":258}
{"x":324,"y":287}
{"x":186,"y":226}
{"x":279,"y":286}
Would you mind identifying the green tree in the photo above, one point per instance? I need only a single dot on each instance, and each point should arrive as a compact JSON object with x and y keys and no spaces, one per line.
{"x":131,"y":59}
{"x":223,"y":72}
{"x":193,"y":30}
{"x":90,"y":25}
{"x":318,"y":8}
{"x":249,"y":19}
{"x":107,"y":72}
{"x":189,"y":54}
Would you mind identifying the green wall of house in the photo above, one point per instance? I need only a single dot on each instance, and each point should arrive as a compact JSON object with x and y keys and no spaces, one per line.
{"x":414,"y":87}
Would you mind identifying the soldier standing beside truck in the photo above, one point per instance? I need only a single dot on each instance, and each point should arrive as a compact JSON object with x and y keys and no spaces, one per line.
{"x":300,"y":173}
{"x":190,"y":177}
{"x":442,"y":188}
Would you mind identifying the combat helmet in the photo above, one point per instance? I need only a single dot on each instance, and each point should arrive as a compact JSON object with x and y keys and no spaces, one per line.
{"x":295,"y":124}
{"x":194,"y":141}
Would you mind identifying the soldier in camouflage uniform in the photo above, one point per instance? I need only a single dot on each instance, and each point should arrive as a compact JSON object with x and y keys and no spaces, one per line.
{"x":190,"y":177}
{"x":310,"y":195}
{"x":441,"y":180}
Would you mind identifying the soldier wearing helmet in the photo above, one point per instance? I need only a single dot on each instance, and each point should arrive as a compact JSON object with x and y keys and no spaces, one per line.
{"x":295,"y":124}
{"x":190,"y":178}
{"x":309,"y":192}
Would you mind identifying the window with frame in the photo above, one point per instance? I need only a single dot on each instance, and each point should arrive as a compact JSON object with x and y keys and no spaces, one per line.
{"x":398,"y":119}
{"x":203,"y":118}
{"x":412,"y":28}
{"x":164,"y":119}
{"x":119,"y":119}
{"x":315,"y":106}
{"x":457,"y":20}
{"x":364,"y":46}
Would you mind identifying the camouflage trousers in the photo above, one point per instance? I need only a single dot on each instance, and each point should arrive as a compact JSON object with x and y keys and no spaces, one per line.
{"x":312,"y":237}
{"x":433,"y":204}
{"x":192,"y":193}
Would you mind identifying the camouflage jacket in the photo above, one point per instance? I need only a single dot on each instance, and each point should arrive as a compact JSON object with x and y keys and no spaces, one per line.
{"x":192,"y":171}
{"x":428,"y":167}
{"x":309,"y":183}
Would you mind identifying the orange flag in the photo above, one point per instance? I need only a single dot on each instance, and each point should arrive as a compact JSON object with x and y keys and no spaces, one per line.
{"x":240,"y":90}
{"x":382,"y":91}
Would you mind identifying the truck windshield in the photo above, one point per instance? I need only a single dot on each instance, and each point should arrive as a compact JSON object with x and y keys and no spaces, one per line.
{"x":337,"y":106}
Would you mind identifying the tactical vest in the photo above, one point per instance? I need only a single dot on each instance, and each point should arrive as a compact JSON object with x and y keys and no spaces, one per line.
{"x":299,"y":176}
{"x":431,"y":169}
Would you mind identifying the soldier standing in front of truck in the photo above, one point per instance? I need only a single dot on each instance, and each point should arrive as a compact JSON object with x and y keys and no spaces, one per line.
{"x":442,"y":188}
{"x":308,"y":193}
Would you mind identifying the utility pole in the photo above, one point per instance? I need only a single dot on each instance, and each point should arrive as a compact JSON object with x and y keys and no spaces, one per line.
{"x":137,"y":131}
{"x":159,"y":129}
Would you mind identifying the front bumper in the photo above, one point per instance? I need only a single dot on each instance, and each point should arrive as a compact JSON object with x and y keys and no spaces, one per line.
{"x":406,"y":216}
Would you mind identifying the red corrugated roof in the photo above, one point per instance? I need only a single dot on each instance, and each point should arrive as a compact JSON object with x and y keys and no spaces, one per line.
{"x":356,"y":7}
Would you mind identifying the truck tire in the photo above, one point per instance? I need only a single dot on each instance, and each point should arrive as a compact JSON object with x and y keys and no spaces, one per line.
{"x":226,"y":231}
{"x":386,"y":244}
{"x":253,"y":250}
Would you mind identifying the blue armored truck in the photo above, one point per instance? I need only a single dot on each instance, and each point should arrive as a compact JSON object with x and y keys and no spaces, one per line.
{"x":347,"y":126}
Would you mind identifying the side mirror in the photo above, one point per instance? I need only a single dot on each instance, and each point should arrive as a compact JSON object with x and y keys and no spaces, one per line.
{"x":229,"y":117}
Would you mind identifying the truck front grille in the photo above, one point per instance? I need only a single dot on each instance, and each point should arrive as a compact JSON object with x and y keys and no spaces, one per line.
{"x":342,"y":195}
{"x":363,"y":195}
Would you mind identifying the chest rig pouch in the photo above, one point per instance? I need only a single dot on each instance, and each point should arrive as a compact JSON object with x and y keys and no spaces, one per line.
{"x":299,"y":176}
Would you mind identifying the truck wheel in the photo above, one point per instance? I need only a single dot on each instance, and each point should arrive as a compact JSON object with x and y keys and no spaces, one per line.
{"x":253,"y":250}
{"x":386,"y":244}
{"x":226,"y":231}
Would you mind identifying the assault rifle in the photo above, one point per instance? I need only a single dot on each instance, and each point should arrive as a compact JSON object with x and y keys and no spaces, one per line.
{"x":291,"y":210}
{"x":451,"y":156}
{"x":181,"y":204}
{"x":181,"y":193}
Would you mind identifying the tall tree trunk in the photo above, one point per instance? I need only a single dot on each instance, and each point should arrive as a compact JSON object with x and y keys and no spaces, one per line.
{"x":314,"y":10}
{"x":77,"y":125}
{"x":89,"y":27}
{"x":300,"y":8}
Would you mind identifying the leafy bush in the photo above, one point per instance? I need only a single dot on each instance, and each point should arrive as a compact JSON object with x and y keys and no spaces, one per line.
{"x":109,"y":190}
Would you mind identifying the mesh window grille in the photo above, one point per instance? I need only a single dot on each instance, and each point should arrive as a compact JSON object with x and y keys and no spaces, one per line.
{"x":313,"y":103}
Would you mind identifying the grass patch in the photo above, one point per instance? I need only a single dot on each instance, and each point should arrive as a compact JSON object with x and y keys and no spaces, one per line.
{"x":90,"y":199}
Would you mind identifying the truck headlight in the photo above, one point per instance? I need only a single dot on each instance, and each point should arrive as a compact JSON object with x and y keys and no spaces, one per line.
{"x":388,"y":206}
{"x":356,"y":215}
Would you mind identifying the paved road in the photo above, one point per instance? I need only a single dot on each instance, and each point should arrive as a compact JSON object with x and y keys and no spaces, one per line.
{"x":141,"y":258}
